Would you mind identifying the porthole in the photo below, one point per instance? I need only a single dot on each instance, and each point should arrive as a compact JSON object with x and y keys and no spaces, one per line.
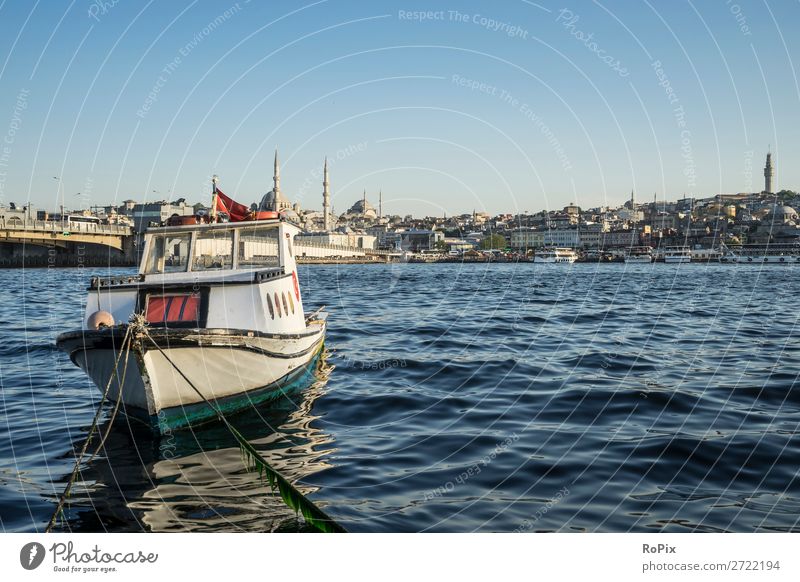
{"x":291,"y":302}
{"x":269,"y":305}
{"x":278,"y":305}
{"x":285,"y":305}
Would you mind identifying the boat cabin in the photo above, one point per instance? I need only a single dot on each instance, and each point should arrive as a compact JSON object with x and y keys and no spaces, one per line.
{"x":236,"y":275}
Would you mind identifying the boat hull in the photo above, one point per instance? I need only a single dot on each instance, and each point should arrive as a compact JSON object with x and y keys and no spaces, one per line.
{"x":168,"y":381}
{"x":758,"y":260}
{"x":554,"y":259}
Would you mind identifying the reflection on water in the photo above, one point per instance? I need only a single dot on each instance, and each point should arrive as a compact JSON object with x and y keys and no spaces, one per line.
{"x":195,"y":480}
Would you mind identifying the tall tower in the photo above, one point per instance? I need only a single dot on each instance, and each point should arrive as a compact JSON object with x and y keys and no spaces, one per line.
{"x":380,"y":204}
{"x":769,"y":172}
{"x":326,"y":197}
{"x":274,"y":200}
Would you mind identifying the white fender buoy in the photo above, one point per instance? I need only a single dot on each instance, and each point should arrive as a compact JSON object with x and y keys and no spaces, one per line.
{"x":100,"y":319}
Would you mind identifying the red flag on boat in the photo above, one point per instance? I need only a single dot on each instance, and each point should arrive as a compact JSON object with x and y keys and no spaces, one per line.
{"x":237,"y":212}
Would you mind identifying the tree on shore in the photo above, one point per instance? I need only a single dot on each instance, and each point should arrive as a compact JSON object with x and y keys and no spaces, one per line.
{"x":493,"y":241}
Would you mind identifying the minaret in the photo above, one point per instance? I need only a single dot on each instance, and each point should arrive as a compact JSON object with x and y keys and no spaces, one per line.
{"x":769,"y":172}
{"x":633,"y":201}
{"x":276,"y":178}
{"x":326,"y":197}
{"x":380,"y":204}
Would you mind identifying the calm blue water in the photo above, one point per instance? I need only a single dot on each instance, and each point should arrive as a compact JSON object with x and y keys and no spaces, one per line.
{"x":454,"y":398}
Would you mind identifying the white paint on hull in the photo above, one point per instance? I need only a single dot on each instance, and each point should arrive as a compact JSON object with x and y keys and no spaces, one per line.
{"x":218,"y":369}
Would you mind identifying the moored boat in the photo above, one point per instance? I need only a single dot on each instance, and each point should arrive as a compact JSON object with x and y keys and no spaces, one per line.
{"x":639,"y":255}
{"x":682,"y":254}
{"x":780,"y":254}
{"x":556,"y":255}
{"x":214,"y":319}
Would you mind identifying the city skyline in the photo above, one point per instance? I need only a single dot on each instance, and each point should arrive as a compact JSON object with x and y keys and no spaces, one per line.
{"x":496,"y":108}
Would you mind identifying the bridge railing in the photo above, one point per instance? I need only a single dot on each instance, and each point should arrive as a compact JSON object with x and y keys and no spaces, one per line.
{"x":57,"y":226}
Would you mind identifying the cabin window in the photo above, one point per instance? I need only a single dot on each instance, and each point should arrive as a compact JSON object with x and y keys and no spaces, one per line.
{"x":178,"y":308}
{"x":258,"y":247}
{"x":278,"y":305}
{"x":168,"y":254}
{"x":269,"y":305}
{"x":291,"y":302}
{"x":213,"y":250}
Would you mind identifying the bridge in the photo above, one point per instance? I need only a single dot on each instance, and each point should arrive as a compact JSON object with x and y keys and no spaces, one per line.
{"x":50,"y":233}
{"x":60,"y":243}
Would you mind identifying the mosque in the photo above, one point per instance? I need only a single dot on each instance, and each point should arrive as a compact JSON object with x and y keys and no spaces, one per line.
{"x":361,"y":213}
{"x":362,"y":210}
{"x":274,"y":200}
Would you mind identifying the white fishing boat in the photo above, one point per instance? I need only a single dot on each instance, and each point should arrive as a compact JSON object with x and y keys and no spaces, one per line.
{"x":681,"y":254}
{"x":557,"y":255}
{"x":218,"y":318}
{"x":639,"y":255}
{"x":780,"y":254}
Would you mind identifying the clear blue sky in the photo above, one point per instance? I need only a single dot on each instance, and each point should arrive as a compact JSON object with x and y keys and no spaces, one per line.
{"x":122,"y":99}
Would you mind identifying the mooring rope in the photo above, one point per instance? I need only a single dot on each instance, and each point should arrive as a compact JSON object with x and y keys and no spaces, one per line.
{"x":117,"y":405}
{"x":252,"y":459}
{"x":125,"y":348}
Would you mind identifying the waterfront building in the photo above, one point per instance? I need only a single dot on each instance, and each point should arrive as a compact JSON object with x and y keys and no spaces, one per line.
{"x":12,"y":214}
{"x":382,"y":234}
{"x":342,"y":238}
{"x":418,"y":240}
{"x":526,"y":238}
{"x":149,"y":213}
{"x":620,"y":238}
{"x":591,"y":235}
{"x":565,"y":238}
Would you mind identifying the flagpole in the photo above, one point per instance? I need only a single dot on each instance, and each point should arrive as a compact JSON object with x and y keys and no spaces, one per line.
{"x":214,"y":180}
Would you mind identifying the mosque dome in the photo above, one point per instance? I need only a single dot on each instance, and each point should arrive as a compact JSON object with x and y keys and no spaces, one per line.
{"x":777,"y":214}
{"x":363,"y":208}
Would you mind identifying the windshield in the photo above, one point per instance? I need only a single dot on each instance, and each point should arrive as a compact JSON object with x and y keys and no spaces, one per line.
{"x":168,"y":254}
{"x":258,"y":247}
{"x":213,"y":250}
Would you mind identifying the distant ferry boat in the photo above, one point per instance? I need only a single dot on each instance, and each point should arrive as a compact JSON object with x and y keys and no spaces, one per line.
{"x":706,"y":255}
{"x":760,"y":254}
{"x":678,"y":255}
{"x":639,"y":255}
{"x":559,"y":255}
